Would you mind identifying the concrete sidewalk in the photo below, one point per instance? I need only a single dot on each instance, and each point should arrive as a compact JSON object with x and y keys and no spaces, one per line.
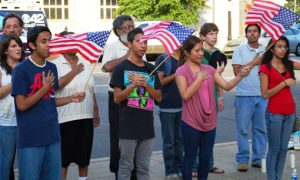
{"x":224,"y":158}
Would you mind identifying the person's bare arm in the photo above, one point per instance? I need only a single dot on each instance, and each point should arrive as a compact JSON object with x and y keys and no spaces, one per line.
{"x":109,"y":66}
{"x":96,"y":112}
{"x":255,"y":61}
{"x":165,"y":80}
{"x":154,"y":93}
{"x":186,"y":92}
{"x":4,"y":90}
{"x":266,"y":92}
{"x":66,"y":79}
{"x":228,"y":85}
{"x":77,"y":97}
{"x":296,"y":65}
{"x":220,"y":100}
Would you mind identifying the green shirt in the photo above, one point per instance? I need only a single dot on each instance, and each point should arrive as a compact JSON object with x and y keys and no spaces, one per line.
{"x":205,"y":61}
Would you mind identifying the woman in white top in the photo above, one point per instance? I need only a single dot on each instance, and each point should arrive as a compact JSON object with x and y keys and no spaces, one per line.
{"x":10,"y":55}
{"x":77,"y":121}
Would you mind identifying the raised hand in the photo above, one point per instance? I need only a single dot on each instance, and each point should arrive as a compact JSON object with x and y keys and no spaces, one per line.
{"x":48,"y":81}
{"x":78,"y":97}
{"x":290,"y":82}
{"x":202,"y":75}
{"x":136,"y":79}
{"x":245,"y":71}
{"x":77,"y":68}
{"x":220,"y":69}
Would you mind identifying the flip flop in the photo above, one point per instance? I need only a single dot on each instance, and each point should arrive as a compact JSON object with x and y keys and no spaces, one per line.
{"x":216,"y":170}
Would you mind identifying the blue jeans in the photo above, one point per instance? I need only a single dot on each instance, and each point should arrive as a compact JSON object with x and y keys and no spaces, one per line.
{"x":172,"y":141}
{"x":250,"y":109}
{"x":8,"y":138}
{"x":40,"y":163}
{"x":192,"y":140}
{"x":279,"y":128}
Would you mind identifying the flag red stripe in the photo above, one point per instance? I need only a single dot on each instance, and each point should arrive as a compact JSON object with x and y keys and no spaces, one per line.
{"x":265,"y":17}
{"x":265,"y":5}
{"x":80,"y":47}
{"x":90,"y":45}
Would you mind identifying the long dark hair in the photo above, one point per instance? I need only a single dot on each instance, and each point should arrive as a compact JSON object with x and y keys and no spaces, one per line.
{"x":286,"y":62}
{"x":3,"y":48}
{"x":187,"y":46}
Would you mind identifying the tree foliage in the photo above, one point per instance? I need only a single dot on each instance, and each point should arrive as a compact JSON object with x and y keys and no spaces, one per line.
{"x":292,"y":5}
{"x":184,"y":11}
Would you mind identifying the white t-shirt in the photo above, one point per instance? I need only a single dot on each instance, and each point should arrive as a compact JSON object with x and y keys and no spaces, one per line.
{"x":113,"y":51}
{"x":75,"y":111}
{"x":7,"y":110}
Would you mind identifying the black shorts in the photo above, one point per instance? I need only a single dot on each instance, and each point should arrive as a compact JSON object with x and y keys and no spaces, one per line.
{"x":76,"y":142}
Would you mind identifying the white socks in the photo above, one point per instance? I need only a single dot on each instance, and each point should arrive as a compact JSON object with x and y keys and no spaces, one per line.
{"x":82,"y":178}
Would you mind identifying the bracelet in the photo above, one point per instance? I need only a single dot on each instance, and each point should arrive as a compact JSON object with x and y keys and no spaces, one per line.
{"x":285,"y":83}
{"x":220,"y":98}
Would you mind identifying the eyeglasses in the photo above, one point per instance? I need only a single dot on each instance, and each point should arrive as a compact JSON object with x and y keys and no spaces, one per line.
{"x":282,"y":47}
{"x":128,"y":27}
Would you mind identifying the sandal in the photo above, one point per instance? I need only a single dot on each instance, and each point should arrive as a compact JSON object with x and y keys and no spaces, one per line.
{"x":216,"y":170}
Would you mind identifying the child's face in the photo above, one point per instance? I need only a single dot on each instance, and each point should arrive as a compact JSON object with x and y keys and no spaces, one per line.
{"x":138,"y":46}
{"x":211,"y":38}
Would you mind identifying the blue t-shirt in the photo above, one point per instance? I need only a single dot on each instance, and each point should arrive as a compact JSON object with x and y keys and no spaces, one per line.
{"x":38,"y":125}
{"x":171,"y":98}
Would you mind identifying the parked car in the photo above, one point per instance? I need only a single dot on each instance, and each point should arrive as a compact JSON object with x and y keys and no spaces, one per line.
{"x":296,"y":26}
{"x":292,"y":34}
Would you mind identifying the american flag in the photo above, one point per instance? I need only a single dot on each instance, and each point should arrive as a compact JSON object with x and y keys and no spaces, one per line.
{"x":170,"y":34}
{"x":273,"y":18}
{"x":89,"y":45}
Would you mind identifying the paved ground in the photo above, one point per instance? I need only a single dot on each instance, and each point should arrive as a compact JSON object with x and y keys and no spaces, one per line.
{"x":224,"y":154}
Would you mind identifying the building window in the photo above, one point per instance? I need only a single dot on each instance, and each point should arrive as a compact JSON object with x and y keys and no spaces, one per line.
{"x":108,"y":9}
{"x":56,"y":9}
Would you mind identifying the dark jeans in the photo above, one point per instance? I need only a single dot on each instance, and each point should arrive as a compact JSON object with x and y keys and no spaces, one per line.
{"x":172,"y":141}
{"x":192,"y":140}
{"x":113,"y":116}
{"x":12,"y":173}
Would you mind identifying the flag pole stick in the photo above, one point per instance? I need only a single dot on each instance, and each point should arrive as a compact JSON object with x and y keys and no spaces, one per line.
{"x":90,"y":76}
{"x":158,"y":66}
{"x":267,"y":48}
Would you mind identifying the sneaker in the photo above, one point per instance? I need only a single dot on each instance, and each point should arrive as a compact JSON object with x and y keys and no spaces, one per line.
{"x":171,"y":177}
{"x":242,"y":167}
{"x":256,"y":165}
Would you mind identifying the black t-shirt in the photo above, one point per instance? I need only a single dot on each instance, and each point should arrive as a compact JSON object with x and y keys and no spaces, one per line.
{"x":136,"y":112}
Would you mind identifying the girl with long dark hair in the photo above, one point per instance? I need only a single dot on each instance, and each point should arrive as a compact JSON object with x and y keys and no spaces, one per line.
{"x":276,"y":77}
{"x":195,"y":82}
{"x":10,"y":55}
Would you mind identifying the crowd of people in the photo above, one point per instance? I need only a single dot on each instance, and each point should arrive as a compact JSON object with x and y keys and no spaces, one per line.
{"x":48,"y":119}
